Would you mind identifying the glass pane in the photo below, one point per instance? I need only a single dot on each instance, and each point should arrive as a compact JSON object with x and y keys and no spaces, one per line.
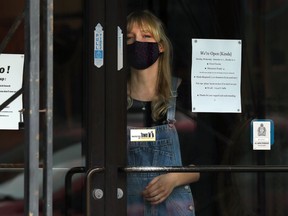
{"x":219,"y":138}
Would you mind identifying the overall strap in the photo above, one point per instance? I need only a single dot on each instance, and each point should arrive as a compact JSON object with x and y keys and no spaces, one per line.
{"x":172,"y":102}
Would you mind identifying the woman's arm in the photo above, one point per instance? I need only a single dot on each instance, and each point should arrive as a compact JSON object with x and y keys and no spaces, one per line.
{"x":162,"y":186}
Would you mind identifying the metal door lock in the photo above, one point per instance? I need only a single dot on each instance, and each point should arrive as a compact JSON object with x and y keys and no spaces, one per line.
{"x":97,"y":194}
{"x":120,"y":193}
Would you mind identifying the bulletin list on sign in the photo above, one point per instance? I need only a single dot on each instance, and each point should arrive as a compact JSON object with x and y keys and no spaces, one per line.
{"x":216,"y":76}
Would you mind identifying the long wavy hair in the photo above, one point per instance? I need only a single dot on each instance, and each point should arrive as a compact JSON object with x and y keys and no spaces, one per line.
{"x":149,"y":22}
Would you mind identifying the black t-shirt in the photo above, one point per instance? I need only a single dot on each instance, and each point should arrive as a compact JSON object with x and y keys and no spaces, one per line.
{"x":139,"y":115}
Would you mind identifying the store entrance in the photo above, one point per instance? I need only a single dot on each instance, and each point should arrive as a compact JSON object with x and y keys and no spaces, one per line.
{"x":90,"y":73}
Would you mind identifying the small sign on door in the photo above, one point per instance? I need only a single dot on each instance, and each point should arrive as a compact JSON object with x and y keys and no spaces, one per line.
{"x":262,"y":134}
{"x":98,"y":46}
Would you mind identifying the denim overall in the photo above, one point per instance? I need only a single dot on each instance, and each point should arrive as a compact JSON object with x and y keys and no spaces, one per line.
{"x":165,"y":151}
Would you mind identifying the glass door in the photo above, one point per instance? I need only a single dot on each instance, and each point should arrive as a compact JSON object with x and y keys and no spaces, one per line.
{"x":90,"y":165}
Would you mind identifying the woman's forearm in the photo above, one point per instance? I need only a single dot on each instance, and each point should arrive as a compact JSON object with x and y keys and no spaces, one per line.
{"x":184,"y":178}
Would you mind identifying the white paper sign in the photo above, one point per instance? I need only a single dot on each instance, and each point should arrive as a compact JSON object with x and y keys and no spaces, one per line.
{"x":262,"y":131}
{"x":11,"y":74}
{"x":216,"y":75}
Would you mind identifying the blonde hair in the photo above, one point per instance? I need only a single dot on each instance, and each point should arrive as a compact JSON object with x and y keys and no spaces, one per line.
{"x":150,"y":23}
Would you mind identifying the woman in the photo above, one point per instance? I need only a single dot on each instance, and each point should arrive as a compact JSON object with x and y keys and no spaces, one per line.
{"x":153,"y":141}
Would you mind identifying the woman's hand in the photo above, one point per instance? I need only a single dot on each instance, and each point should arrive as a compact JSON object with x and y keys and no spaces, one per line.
{"x":160,"y":188}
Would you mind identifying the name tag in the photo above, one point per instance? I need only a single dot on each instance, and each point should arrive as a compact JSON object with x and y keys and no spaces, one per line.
{"x":142,"y":135}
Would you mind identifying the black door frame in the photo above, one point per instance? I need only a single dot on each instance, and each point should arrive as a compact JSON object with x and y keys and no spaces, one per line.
{"x":105,"y":111}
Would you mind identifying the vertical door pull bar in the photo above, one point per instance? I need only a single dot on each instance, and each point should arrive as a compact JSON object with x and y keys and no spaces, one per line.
{"x":96,"y":193}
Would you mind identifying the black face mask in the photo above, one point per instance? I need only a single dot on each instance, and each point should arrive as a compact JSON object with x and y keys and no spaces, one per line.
{"x":142,"y":55}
